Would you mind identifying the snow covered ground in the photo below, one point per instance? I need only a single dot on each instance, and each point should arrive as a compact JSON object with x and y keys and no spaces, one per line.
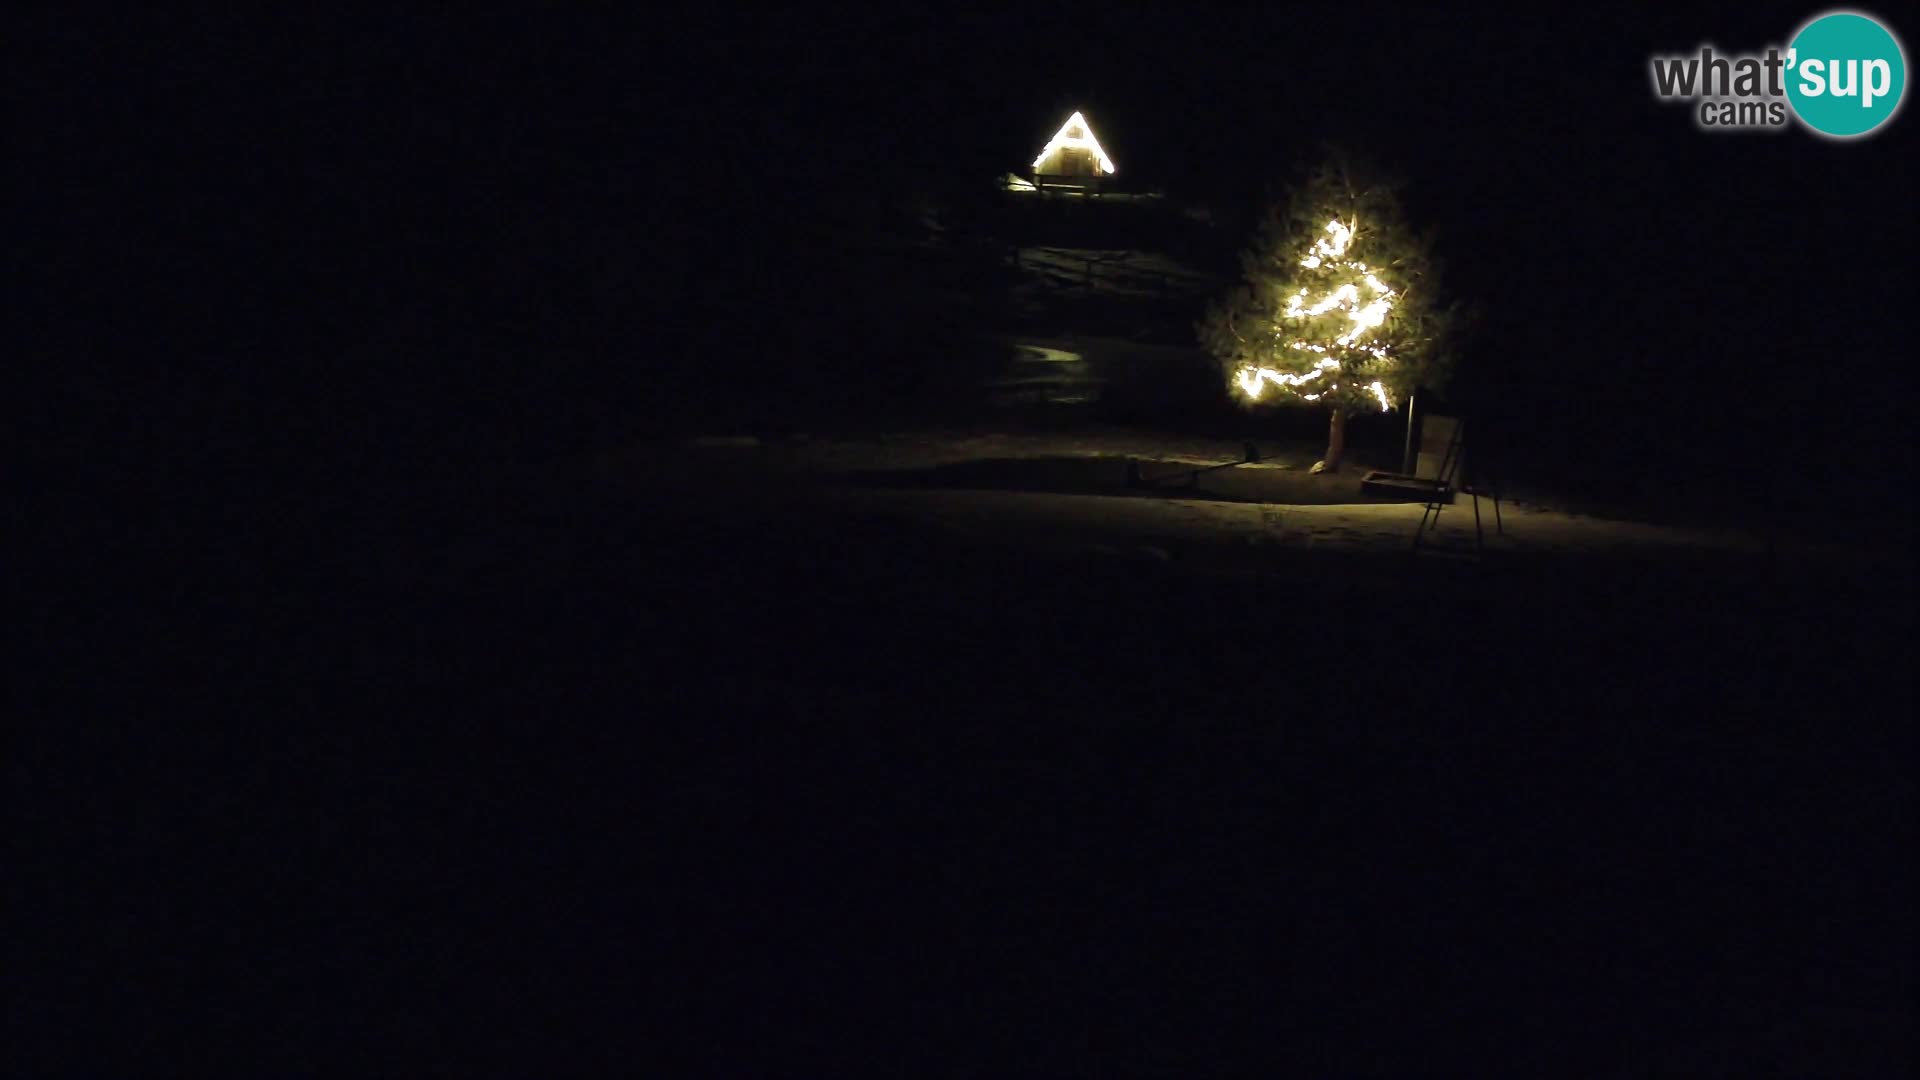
{"x":1098,"y":498}
{"x":1113,"y":292}
{"x":1070,"y":492}
{"x":994,"y":697}
{"x":1236,"y":535}
{"x":1113,"y":272}
{"x":1092,"y":372}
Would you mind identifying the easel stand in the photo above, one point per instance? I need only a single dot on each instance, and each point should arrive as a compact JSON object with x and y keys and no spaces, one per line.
{"x":1450,"y":480}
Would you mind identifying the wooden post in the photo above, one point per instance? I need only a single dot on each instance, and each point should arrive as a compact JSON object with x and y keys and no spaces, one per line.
{"x":1406,"y":456}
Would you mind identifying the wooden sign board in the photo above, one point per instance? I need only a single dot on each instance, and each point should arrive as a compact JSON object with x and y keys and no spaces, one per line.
{"x":1435,"y":432}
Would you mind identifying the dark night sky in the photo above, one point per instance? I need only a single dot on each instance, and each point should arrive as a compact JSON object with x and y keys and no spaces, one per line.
{"x":1626,"y":259}
{"x":326,"y":174}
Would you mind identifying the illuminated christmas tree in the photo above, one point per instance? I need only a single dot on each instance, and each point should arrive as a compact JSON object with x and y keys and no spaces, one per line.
{"x":1339,"y":309}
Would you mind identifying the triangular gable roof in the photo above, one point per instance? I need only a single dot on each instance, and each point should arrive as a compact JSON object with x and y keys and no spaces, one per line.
{"x":1075,"y":133}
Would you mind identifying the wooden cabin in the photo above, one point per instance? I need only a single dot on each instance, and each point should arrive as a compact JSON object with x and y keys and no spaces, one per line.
{"x":1072,"y":159}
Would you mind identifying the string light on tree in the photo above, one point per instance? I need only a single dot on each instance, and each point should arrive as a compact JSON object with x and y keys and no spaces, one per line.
{"x":1328,"y":255}
{"x":1337,"y":308}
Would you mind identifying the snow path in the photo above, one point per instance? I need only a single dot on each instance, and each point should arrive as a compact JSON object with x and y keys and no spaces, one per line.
{"x":852,"y":486}
{"x":1232,"y":535}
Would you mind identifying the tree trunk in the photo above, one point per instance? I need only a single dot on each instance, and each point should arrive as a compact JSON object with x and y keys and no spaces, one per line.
{"x":1336,"y":442}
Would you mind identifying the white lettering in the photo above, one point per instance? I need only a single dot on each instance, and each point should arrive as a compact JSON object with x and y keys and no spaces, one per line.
{"x":1869,"y":90}
{"x":1812,"y":78}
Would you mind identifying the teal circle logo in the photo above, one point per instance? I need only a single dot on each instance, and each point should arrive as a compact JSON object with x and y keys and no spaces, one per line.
{"x":1846,"y":74}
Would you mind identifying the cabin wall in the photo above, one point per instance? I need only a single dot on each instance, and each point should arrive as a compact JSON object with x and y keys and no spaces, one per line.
{"x":1068,"y":161}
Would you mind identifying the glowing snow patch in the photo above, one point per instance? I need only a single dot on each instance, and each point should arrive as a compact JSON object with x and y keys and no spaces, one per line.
{"x":1040,"y":354}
